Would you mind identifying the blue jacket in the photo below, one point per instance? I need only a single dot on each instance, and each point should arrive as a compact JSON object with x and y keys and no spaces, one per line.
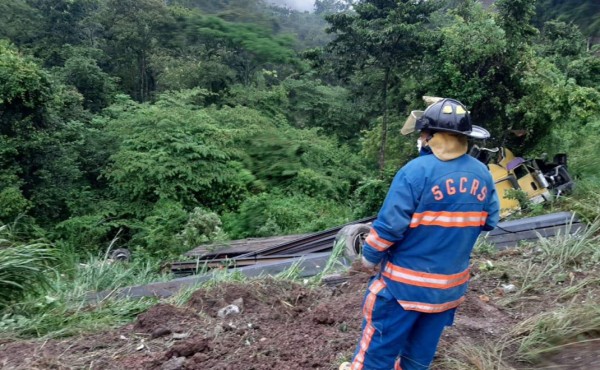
{"x":426,"y":229}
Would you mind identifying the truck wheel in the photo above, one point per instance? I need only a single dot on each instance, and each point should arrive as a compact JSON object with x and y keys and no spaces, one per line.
{"x":120,"y":255}
{"x":353,"y":237}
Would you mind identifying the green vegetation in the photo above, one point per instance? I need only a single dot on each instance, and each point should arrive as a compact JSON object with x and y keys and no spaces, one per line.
{"x":563,"y":275}
{"x":55,"y":302}
{"x":584,"y":13}
{"x":21,"y":266}
{"x":157,"y":126}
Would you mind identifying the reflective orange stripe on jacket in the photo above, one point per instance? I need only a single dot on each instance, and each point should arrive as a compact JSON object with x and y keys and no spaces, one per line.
{"x":424,"y":279}
{"x":397,"y":364}
{"x":375,"y":241}
{"x":430,"y":308}
{"x":448,"y":219}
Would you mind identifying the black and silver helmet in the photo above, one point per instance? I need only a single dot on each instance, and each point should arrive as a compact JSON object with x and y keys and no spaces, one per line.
{"x":448,"y":115}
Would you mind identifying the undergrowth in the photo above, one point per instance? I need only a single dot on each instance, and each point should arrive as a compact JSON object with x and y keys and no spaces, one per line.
{"x":22,"y":266}
{"x":547,"y":331}
{"x":59,"y":299}
{"x":563,"y":275}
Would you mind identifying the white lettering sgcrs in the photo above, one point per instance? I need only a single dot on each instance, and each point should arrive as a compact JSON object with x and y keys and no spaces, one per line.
{"x":463,"y":185}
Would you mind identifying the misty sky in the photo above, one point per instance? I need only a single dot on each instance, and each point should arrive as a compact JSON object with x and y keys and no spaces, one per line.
{"x":296,"y":4}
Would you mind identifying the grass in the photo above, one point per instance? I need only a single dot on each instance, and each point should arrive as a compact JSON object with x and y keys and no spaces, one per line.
{"x":333,"y":263}
{"x":558,"y":285}
{"x":550,"y":264}
{"x":183,"y":295}
{"x":60,"y":305}
{"x":535,"y":275}
{"x":465,"y":355}
{"x":572,"y":291}
{"x":586,"y":199}
{"x":484,"y":248}
{"x":572,"y":248}
{"x":292,"y":273}
{"x":22,"y":266}
{"x":549,"y":331}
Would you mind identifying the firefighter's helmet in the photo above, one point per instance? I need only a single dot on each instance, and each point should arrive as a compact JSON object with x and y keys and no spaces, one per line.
{"x":447,"y":115}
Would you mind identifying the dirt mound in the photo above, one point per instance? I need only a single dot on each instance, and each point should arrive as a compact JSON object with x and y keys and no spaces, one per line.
{"x":163,"y":319}
{"x":268,"y":297}
{"x":280,"y":325}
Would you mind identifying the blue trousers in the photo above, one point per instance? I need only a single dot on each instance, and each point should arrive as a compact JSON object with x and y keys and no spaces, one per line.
{"x":393,"y":338}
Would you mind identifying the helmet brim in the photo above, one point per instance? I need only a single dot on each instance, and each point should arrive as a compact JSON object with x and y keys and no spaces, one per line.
{"x":409,"y":125}
{"x":478,"y":132}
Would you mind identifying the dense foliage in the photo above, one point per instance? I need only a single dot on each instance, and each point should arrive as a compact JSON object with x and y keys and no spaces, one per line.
{"x":160,"y":125}
{"x":584,"y":13}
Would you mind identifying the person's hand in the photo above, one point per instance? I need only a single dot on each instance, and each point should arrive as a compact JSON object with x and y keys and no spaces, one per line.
{"x":369,"y":266}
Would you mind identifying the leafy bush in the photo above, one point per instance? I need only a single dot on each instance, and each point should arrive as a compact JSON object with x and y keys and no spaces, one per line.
{"x":314,"y":104}
{"x":276,"y":213}
{"x":22,"y":266}
{"x":170,"y":152}
{"x":155,"y":234}
{"x":13,"y":203}
{"x":89,"y":233}
{"x":369,"y":196}
{"x":583,"y":150}
{"x":586,"y":199}
{"x":202,"y":226}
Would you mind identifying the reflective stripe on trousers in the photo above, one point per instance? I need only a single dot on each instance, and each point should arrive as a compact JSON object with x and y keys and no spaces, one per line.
{"x":391,"y":332}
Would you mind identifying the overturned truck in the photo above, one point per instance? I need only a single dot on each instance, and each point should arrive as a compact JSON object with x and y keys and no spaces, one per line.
{"x":538,"y":180}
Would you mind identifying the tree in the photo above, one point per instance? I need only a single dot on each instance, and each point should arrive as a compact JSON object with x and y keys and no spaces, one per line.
{"x":172,"y":151}
{"x":40,"y":168}
{"x":315,"y":104}
{"x":324,"y":7}
{"x":199,"y":69}
{"x":515,"y":17}
{"x":584,"y":13}
{"x":24,"y":91}
{"x":586,"y":71}
{"x":96,"y":86}
{"x":471,"y":65}
{"x":133,"y":31}
{"x":245,"y":47}
{"x":308,"y":28}
{"x":561,"y":42}
{"x":385,"y":38}
{"x":61,"y":24}
{"x":487,"y":61}
{"x":21,"y":24}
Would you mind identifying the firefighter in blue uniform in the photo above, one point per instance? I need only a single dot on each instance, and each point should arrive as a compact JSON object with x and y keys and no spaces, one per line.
{"x":421,"y":242}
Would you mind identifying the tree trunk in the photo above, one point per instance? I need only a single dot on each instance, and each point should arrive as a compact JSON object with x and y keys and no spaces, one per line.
{"x":384,"y":125}
{"x":143,"y":77}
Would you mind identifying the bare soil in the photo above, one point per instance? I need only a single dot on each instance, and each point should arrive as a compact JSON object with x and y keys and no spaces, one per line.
{"x":281,"y":325}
